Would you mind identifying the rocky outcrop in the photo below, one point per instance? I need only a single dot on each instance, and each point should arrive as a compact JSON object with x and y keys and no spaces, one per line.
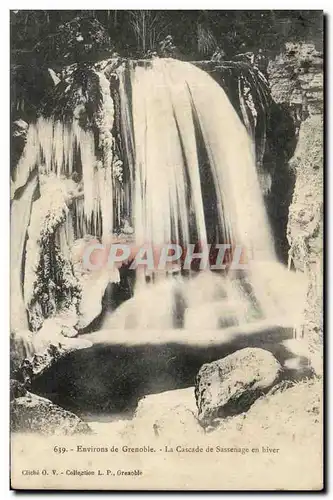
{"x":31,"y":413}
{"x":32,"y":354}
{"x":305,"y":229}
{"x":230,"y":385}
{"x":19,"y":135}
{"x":296,"y":79}
{"x":31,"y":357}
{"x":288,"y":413}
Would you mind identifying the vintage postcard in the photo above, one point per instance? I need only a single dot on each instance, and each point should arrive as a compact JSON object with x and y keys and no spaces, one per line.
{"x":166,"y":250}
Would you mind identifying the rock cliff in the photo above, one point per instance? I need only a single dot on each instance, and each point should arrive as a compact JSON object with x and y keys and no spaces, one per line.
{"x":297,"y":81}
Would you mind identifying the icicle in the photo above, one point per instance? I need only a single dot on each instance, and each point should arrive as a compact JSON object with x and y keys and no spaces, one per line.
{"x":107,"y":109}
{"x":45,"y":137}
{"x":103,"y":176}
{"x":104,"y":179}
{"x":58,"y":148}
{"x":127,"y":134}
{"x":66,"y":146}
{"x":86,"y":146}
{"x":80,"y":220}
{"x":104,"y":120}
{"x":69,"y":229}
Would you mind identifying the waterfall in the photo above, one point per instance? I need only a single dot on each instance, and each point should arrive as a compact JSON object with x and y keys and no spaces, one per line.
{"x":174,"y":161}
{"x":177,"y":112}
{"x":171,"y":99}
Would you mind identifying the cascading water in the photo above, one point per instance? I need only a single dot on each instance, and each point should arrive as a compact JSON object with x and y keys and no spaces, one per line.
{"x":172,"y":104}
{"x":182,"y":145}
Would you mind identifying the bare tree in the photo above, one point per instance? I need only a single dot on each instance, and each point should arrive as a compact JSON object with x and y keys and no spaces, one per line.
{"x":148,"y":27}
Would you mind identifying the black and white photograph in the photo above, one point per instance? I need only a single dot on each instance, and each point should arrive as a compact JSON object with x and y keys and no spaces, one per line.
{"x":166,"y":250}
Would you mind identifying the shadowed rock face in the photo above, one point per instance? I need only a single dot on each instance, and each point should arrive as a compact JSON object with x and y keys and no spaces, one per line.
{"x":296,"y":78}
{"x":17,"y":389}
{"x":31,"y":413}
{"x":229,"y":386}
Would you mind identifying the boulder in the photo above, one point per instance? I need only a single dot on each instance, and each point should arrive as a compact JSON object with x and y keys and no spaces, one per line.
{"x":42,"y":358}
{"x":41,"y":361}
{"x":155,"y":404}
{"x":230,"y":385}
{"x":31,"y":413}
{"x":170,"y":415}
{"x":178,"y":423}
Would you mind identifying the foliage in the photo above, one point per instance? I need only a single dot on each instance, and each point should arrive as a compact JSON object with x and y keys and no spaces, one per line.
{"x":79,"y":89}
{"x":42,"y":39}
{"x":167,"y":48}
{"x":56,"y":287}
{"x":206,"y":40}
{"x":51,"y":36}
{"x":57,"y":36}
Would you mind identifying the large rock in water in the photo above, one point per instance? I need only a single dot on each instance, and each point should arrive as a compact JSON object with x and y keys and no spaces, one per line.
{"x":230,"y":385}
{"x":31,"y":413}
